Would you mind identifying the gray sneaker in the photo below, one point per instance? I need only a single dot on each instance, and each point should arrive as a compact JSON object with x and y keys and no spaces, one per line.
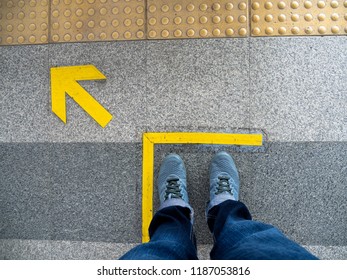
{"x":224,"y":180}
{"x":172,"y":182}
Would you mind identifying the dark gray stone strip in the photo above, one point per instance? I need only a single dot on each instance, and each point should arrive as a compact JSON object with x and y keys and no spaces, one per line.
{"x":92,"y":191}
{"x":76,"y":191}
{"x":19,"y":249}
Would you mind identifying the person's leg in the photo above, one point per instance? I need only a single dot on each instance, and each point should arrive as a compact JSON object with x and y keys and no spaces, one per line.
{"x":236,"y":235}
{"x":171,"y":236}
{"x":171,"y":230}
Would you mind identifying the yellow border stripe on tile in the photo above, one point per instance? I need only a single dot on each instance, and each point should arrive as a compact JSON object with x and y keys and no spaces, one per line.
{"x":147,"y":186}
{"x":149,"y":139}
{"x":204,"y":138}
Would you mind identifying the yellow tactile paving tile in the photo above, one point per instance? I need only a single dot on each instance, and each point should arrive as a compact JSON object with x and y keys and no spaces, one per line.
{"x":23,"y":22}
{"x":97,"y":20}
{"x":176,"y":19}
{"x":53,"y":21}
{"x":284,"y":18}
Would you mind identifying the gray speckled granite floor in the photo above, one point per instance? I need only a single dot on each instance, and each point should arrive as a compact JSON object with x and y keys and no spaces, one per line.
{"x":293,"y":88}
{"x":16,"y":249}
{"x":92,"y":191}
{"x":80,"y":183}
{"x":299,"y":88}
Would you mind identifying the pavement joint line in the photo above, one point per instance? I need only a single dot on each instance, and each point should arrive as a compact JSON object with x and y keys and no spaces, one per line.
{"x":152,"y":138}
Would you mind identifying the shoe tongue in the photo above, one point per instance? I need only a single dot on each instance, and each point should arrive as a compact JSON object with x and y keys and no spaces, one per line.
{"x":224,"y":175}
{"x":172,"y":178}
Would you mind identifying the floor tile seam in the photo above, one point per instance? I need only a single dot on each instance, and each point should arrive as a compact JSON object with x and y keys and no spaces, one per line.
{"x":74,"y":142}
{"x":249,"y":113}
{"x":106,"y":243}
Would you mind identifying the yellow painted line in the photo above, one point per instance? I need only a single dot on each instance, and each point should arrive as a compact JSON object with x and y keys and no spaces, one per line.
{"x":205,"y":138}
{"x":64,"y":81}
{"x":147,"y":186}
{"x":294,"y":18}
{"x":150,"y":139}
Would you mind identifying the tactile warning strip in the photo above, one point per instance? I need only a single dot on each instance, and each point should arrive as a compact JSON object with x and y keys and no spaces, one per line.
{"x":196,"y":19}
{"x":54,"y":21}
{"x":97,"y":20}
{"x":284,"y":18}
{"x":23,"y":22}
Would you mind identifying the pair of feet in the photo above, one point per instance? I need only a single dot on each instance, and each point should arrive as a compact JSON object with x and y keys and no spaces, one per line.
{"x":224,"y":180}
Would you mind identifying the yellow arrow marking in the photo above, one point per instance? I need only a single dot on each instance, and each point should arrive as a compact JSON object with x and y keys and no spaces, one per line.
{"x":64,"y":80}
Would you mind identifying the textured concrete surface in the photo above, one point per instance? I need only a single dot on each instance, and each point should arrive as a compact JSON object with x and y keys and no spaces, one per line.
{"x":24,"y":93}
{"x":299,"y":88}
{"x":92,"y":192}
{"x":17,"y":249}
{"x":80,"y":184}
{"x":294,"y":88}
{"x":97,"y":185}
{"x":301,"y":188}
{"x":14,"y":249}
{"x":25,"y":194}
{"x":329,"y":252}
{"x":70,"y":191}
{"x":198,"y":83}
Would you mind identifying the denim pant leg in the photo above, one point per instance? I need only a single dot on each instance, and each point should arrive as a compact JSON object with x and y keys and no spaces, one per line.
{"x":171,"y":237}
{"x":237,"y":237}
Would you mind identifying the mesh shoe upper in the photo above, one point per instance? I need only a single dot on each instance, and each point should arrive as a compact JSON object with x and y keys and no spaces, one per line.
{"x":224,"y":178}
{"x":172,"y":182}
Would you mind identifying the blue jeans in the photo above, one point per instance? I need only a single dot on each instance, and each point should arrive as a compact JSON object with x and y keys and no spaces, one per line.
{"x":236,"y":237}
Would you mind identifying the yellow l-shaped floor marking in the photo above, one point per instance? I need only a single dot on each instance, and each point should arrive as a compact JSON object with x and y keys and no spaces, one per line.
{"x":149,"y":139}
